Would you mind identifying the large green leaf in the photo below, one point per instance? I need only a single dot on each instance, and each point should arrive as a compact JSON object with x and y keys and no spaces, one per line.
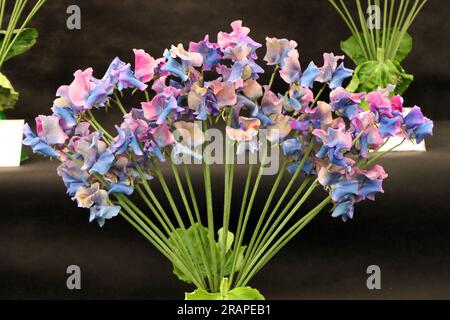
{"x":245,"y":293}
{"x":196,"y":241}
{"x":27,"y":39}
{"x":8,"y":96}
{"x":406,"y":45}
{"x":374,"y":74}
{"x":353,"y":50}
{"x":241,"y":293}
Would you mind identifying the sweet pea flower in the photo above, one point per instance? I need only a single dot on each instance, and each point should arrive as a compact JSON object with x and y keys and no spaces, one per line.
{"x":252,"y":89}
{"x":87,"y":196}
{"x":280,"y":129}
{"x":381,"y":104}
{"x":247,"y":130}
{"x":163,"y":136}
{"x":187,"y":58}
{"x":49,"y":129}
{"x":126,"y":140}
{"x":331,"y":73}
{"x":371,"y":137}
{"x":319,"y":118}
{"x":210,"y":52}
{"x":239,"y":35}
{"x":179,"y":61}
{"x":73,"y":176}
{"x":96,"y":155}
{"x":291,"y":72}
{"x":344,"y":209}
{"x":127,"y":79}
{"x":37,"y":144}
{"x":191,"y":136}
{"x":335,"y":142}
{"x":271,"y":103}
{"x":138,"y":124}
{"x":418,"y":126}
{"x":299,"y":99}
{"x":277,"y":50}
{"x":391,"y":126}
{"x":97,"y":200}
{"x":144,"y":65}
{"x":160,"y":107}
{"x":345,"y":102}
{"x":224,"y":92}
{"x":255,"y":110}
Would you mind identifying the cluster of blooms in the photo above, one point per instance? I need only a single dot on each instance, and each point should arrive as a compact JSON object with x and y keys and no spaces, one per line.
{"x":96,"y":165}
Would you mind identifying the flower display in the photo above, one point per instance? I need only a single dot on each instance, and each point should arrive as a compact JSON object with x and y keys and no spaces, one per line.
{"x":325,"y":139}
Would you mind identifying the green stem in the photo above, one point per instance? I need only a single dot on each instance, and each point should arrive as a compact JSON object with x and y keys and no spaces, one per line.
{"x":32,"y":13}
{"x":272,"y":78}
{"x":237,"y":243}
{"x":280,"y":201}
{"x":292,"y":232}
{"x":210,"y":217}
{"x":119,"y":103}
{"x":248,"y":266}
{"x":191,"y":218}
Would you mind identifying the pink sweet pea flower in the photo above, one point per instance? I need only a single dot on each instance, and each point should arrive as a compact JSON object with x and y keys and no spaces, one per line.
{"x":49,"y":129}
{"x":144,"y":65}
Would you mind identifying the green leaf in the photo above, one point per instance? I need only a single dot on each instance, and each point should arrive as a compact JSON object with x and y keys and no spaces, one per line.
{"x":230,"y":239}
{"x":8,"y":96}
{"x":241,"y":293}
{"x":26,"y":40}
{"x":353,"y":50}
{"x":406,"y":45}
{"x":245,"y":293}
{"x":374,"y":74}
{"x":196,"y":241}
{"x":201,"y":294}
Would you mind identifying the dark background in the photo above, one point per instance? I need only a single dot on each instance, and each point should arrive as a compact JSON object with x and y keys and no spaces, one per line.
{"x":406,"y":233}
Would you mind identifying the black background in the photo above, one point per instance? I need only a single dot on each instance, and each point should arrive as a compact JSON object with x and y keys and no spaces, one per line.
{"x":406,"y":232}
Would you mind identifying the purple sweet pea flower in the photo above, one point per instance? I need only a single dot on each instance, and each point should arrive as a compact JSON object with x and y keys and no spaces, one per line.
{"x":277,"y":50}
{"x":299,"y":99}
{"x":73,"y":176}
{"x":37,"y":144}
{"x":239,"y":36}
{"x":418,"y":126}
{"x":160,"y":107}
{"x":210,"y":52}
{"x":50,"y":131}
{"x":346,"y":103}
{"x":335,"y":141}
{"x":330,"y":72}
{"x":126,"y":140}
{"x":97,"y":157}
{"x":371,"y":138}
{"x":391,"y":127}
{"x":344,"y":209}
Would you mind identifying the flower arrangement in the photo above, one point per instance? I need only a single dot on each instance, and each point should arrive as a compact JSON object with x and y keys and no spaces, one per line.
{"x":381,"y":43}
{"x":184,"y":95}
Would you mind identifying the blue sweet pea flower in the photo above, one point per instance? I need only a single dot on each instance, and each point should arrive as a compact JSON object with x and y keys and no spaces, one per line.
{"x":37,"y":144}
{"x":344,"y":209}
{"x":102,"y":213}
{"x":418,"y":126}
